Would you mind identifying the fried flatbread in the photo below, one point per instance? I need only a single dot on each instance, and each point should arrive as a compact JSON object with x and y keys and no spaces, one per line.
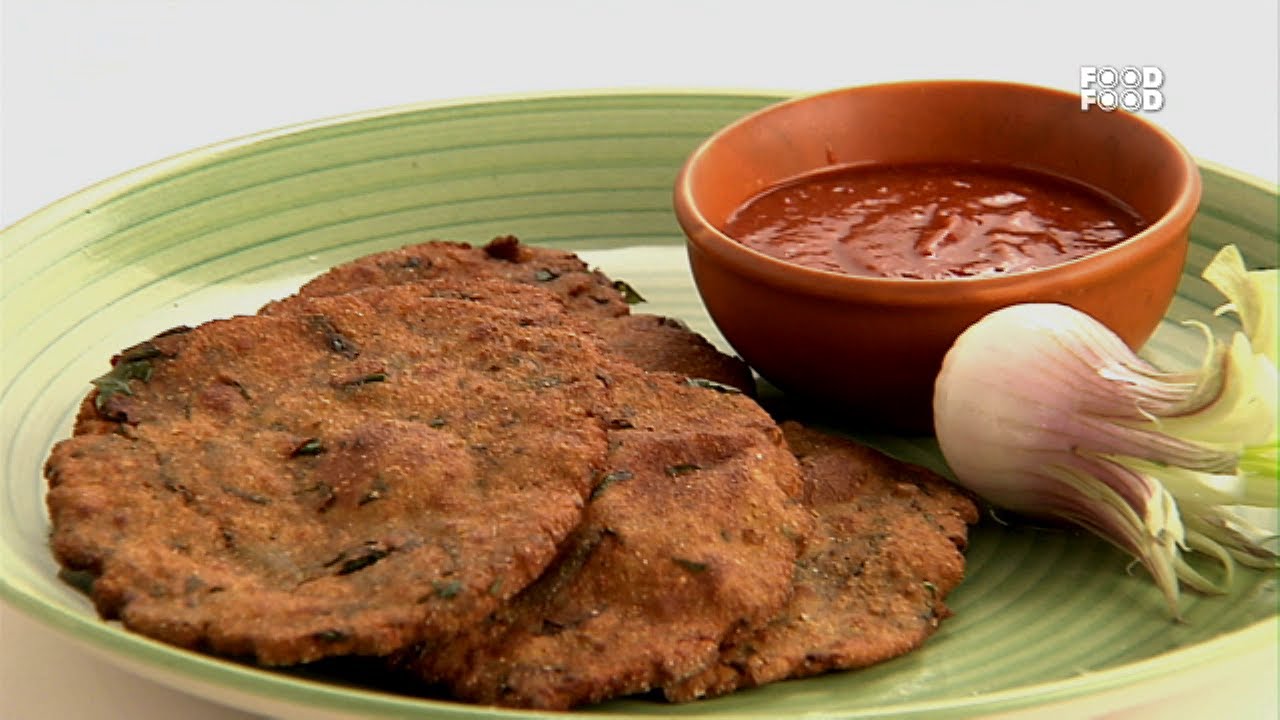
{"x":871,"y":584}
{"x":445,"y":455}
{"x":370,"y":471}
{"x":535,"y":306}
{"x":661,"y":343}
{"x":503,"y":258}
{"x":650,"y":341}
{"x":690,"y":535}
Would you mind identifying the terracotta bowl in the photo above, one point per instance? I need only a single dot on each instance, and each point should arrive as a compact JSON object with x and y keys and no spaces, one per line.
{"x":868,"y":347}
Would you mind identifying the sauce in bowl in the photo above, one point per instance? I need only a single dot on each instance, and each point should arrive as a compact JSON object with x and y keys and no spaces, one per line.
{"x":931,"y":220}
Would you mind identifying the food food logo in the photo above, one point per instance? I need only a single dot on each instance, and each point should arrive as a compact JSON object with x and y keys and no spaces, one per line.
{"x":1136,"y":88}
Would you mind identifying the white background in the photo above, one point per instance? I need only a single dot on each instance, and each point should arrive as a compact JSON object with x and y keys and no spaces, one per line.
{"x":90,"y":89}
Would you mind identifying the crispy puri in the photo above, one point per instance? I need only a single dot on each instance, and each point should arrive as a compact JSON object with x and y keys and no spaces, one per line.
{"x":691,"y":534}
{"x":871,"y":584}
{"x":650,"y":341}
{"x":368,"y":472}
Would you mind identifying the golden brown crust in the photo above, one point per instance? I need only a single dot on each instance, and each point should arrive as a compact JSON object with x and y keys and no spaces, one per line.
{"x":691,"y":535}
{"x":445,"y":454}
{"x":665,"y":344}
{"x":504,"y":258}
{"x":352,"y":478}
{"x":885,"y":552}
{"x":649,"y":341}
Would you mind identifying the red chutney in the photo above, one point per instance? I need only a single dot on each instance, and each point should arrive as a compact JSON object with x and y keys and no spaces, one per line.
{"x":931,"y":220}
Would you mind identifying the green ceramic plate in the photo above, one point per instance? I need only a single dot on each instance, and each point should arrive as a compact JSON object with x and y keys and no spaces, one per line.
{"x":1042,"y":617}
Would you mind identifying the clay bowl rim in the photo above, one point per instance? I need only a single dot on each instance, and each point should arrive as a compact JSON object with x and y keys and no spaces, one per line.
{"x":703,"y":235}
